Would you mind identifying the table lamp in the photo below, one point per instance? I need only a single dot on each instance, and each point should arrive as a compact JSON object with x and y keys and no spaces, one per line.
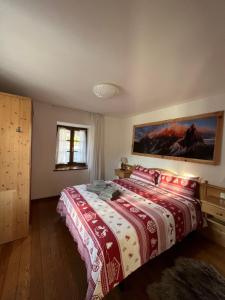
{"x":124,"y":161}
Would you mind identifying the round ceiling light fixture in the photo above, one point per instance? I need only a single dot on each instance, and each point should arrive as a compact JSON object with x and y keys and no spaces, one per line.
{"x":105,"y":90}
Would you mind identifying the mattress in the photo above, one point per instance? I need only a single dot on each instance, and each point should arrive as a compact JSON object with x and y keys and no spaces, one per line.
{"x":117,"y":237}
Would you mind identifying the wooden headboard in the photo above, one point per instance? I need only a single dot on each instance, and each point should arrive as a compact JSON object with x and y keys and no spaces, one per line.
{"x":165,"y":171}
{"x":202,"y":189}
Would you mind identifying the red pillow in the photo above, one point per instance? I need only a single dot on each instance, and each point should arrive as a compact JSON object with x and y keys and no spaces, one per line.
{"x":183,"y":186}
{"x":146,"y":174}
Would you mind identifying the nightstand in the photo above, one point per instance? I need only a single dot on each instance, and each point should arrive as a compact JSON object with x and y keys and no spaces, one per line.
{"x":214,"y":207}
{"x":123,"y":173}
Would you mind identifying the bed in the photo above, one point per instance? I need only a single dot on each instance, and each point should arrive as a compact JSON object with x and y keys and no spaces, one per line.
{"x":116,"y":237}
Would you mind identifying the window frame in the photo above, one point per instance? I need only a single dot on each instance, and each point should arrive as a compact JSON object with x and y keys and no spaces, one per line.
{"x":71,"y":164}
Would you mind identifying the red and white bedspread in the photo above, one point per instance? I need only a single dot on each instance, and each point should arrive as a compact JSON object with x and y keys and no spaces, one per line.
{"x":117,"y":237}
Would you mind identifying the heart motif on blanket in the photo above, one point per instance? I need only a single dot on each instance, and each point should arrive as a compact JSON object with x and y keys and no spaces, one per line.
{"x":153,"y":242}
{"x":127,"y":237}
{"x":109,"y":245}
{"x":142,"y":216}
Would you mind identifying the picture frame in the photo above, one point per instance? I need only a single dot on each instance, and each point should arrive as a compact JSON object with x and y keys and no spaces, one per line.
{"x":193,"y":139}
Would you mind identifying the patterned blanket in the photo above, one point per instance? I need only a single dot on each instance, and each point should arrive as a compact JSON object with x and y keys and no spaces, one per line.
{"x":116,"y":237}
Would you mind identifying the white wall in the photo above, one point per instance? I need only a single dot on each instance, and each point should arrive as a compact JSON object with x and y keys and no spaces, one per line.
{"x":214,"y":174}
{"x":113,"y":145}
{"x":45,"y":181}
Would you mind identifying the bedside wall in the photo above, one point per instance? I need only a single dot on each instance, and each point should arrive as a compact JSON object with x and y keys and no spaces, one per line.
{"x":215,"y":174}
{"x":113,"y":145}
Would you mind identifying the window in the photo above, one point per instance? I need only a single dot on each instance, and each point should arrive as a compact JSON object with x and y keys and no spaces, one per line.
{"x":71,"y":148}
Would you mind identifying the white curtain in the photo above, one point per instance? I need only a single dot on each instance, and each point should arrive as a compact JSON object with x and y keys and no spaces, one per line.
{"x":96,"y":147}
{"x":63,"y":146}
{"x":80,"y":151}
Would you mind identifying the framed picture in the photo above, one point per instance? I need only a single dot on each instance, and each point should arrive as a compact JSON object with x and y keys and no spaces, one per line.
{"x":194,"y":139}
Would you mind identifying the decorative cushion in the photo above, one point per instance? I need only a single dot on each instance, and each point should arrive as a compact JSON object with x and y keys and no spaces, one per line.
{"x":147,"y":175}
{"x":181,"y":185}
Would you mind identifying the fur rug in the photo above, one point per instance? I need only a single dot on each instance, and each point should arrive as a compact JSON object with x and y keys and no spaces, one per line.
{"x":189,"y":279}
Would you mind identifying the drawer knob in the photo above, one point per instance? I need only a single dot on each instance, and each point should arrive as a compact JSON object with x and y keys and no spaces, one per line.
{"x":219,"y":214}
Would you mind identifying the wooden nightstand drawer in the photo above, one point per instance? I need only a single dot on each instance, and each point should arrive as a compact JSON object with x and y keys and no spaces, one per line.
{"x":213,"y":210}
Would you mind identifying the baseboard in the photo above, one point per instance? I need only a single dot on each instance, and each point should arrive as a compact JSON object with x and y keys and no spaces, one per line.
{"x":46,"y":198}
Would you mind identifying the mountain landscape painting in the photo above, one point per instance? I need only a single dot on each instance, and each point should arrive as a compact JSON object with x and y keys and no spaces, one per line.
{"x":193,"y":138}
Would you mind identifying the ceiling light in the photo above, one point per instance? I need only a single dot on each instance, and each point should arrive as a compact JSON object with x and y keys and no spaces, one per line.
{"x":105,"y":90}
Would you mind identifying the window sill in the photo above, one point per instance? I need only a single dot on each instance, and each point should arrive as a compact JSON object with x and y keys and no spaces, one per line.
{"x":71,"y":168}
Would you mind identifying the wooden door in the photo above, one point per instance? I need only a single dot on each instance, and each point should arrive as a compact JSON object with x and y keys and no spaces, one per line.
{"x":15,"y":154}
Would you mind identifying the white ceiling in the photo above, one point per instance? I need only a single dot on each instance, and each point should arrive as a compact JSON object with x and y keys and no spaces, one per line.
{"x":160,"y":52}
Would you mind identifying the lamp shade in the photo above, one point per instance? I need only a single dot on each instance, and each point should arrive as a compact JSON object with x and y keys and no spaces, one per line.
{"x":124,"y":160}
{"x":105,"y":90}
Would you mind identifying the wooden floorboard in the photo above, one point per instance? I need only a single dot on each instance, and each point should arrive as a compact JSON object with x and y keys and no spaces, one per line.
{"x":36,"y":291}
{"x":23,"y":281}
{"x":47,"y":266}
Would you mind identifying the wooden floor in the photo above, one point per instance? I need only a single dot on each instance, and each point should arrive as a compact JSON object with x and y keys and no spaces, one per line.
{"x":47,"y":266}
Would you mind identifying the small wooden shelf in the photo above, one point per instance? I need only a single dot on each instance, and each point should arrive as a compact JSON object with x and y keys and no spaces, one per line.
{"x":215,"y":201}
{"x":123,"y":173}
{"x":215,"y":221}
